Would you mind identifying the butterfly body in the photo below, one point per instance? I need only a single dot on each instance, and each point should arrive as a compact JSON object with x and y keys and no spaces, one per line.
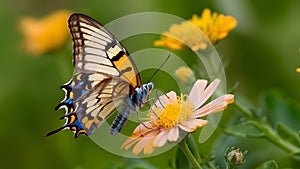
{"x":139,"y":98}
{"x":134,"y":102}
{"x":106,"y":80}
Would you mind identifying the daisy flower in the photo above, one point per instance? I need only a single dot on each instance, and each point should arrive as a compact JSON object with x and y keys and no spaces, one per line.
{"x":172,"y":113}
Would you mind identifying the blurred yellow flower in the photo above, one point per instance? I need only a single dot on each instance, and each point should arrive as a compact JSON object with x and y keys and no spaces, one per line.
{"x":46,"y":34}
{"x":184,"y":74}
{"x":214,"y":26}
{"x":298,"y":70}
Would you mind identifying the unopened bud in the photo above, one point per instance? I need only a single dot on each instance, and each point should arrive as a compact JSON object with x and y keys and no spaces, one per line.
{"x":234,"y":157}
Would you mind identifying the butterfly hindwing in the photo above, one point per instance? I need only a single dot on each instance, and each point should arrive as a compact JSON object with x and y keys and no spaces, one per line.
{"x":95,"y":107}
{"x":75,"y":88}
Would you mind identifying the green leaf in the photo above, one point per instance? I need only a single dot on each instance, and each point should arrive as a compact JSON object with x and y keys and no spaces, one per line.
{"x":268,"y":165}
{"x":131,"y":164}
{"x":288,"y":134}
{"x":278,"y":107}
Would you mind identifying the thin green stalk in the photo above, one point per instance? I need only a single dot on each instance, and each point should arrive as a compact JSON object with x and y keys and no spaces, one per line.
{"x":188,"y":154}
{"x":268,"y":131}
{"x":273,"y":137}
{"x":193,"y":142}
{"x":244,"y":111}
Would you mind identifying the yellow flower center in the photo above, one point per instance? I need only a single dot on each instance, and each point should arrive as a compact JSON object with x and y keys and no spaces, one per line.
{"x":174,"y":113}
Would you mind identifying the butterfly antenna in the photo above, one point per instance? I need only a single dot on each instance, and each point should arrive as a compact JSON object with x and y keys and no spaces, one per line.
{"x":141,"y":122}
{"x":160,"y":102}
{"x":159,"y":68}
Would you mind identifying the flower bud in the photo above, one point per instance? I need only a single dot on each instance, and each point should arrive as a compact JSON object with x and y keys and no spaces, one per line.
{"x":234,"y":157}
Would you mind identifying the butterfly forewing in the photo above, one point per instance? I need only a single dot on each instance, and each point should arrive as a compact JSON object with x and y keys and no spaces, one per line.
{"x":97,"y":50}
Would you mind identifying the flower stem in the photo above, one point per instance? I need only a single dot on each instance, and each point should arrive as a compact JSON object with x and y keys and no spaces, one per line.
{"x":184,"y":147}
{"x":273,"y":137}
{"x":268,"y":132}
{"x":244,"y":111}
{"x":190,"y":140}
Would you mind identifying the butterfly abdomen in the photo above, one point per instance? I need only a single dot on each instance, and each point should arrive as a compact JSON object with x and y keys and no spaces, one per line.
{"x":120,"y":120}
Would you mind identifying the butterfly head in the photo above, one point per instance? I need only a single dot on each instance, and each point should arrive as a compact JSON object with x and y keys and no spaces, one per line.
{"x":140,"y":96}
{"x":147,"y":88}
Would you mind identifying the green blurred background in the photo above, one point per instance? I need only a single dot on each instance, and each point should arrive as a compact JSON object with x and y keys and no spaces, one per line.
{"x":261,"y":54}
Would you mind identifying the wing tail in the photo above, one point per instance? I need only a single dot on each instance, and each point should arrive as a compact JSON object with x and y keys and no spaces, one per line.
{"x":72,"y":124}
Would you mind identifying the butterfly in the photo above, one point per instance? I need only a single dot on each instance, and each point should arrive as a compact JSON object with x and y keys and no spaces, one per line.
{"x":106,"y":79}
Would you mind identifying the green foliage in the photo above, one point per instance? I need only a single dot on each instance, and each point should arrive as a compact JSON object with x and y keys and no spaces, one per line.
{"x":131,"y":164}
{"x":268,"y":165}
{"x":288,"y":134}
{"x":181,"y":161}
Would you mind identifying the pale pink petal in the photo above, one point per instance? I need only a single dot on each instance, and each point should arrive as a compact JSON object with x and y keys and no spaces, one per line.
{"x":129,"y":142}
{"x":149,"y":148}
{"x":192,"y":124}
{"x":143,"y":127}
{"x":206,"y":94}
{"x":185,"y":128}
{"x":187,"y":125}
{"x":143,"y":142}
{"x":164,"y":99}
{"x":216,"y":105}
{"x":172,"y":95}
{"x":139,"y":146}
{"x":135,"y":137}
{"x":139,"y":133}
{"x":173,"y":134}
{"x":201,"y":123}
{"x":161,"y":138}
{"x":196,"y":91}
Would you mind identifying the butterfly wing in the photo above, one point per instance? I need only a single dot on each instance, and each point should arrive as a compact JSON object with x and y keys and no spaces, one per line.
{"x":106,"y":76}
{"x":97,"y":50}
{"x":75,"y":88}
